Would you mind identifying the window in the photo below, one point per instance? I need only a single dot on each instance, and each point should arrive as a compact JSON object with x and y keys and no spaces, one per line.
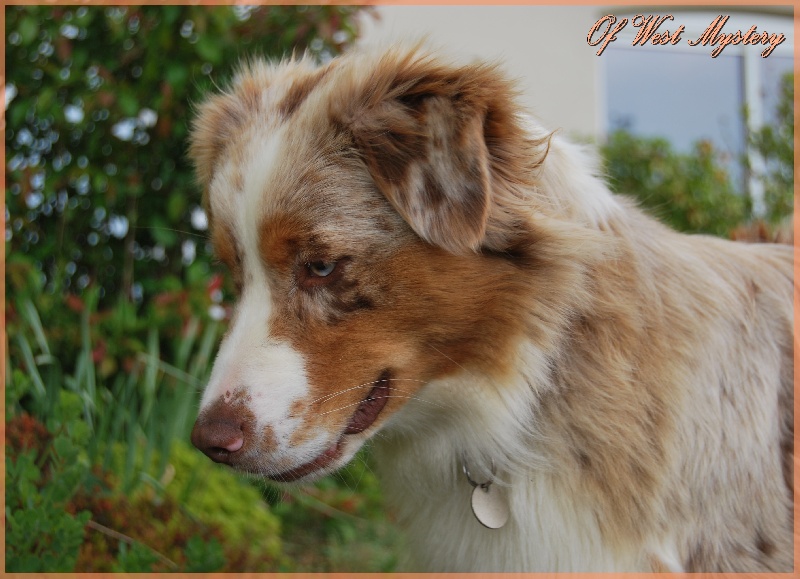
{"x":681,"y":93}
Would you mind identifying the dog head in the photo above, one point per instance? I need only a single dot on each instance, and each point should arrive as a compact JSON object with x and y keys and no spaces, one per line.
{"x":369,"y":212}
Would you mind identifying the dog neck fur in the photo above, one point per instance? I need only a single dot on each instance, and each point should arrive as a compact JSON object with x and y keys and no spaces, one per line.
{"x":499,"y":422}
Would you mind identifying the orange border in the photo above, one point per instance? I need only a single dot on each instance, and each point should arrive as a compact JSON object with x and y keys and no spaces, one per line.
{"x":611,"y":7}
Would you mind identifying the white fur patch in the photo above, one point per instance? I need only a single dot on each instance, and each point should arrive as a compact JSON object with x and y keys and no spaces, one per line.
{"x":250,"y":362}
{"x":550,"y":529}
{"x":570,"y":180}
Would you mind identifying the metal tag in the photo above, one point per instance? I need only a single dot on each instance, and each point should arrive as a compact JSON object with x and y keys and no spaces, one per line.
{"x":490,"y":506}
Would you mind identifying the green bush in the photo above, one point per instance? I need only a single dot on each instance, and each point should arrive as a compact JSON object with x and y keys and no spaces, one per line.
{"x":104,"y":480}
{"x":40,"y":480}
{"x":63,"y":515}
{"x":99,"y":189}
{"x":691,"y":192}
{"x":109,"y":316}
{"x":775,"y":144}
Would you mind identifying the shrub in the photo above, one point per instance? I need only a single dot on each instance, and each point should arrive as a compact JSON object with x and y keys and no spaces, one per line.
{"x":775,"y":143}
{"x":99,"y":188}
{"x":691,"y":192}
{"x":111,"y":294}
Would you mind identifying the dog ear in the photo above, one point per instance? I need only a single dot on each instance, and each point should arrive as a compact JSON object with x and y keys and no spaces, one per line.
{"x":220,"y":118}
{"x":421,"y":128}
{"x":217,"y":120}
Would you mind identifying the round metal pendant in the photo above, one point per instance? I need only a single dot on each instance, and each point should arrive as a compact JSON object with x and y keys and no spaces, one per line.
{"x":490,"y":506}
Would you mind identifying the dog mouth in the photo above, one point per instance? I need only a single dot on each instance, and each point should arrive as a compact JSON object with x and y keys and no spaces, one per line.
{"x":364,"y":416}
{"x":323,"y":460}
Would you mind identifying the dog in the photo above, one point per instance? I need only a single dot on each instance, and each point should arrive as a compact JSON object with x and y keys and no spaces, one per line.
{"x":551,"y":380}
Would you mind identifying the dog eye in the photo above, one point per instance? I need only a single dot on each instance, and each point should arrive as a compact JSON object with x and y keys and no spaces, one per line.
{"x":321,"y":268}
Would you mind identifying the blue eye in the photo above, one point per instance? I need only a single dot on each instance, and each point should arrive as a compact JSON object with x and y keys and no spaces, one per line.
{"x":321,"y":268}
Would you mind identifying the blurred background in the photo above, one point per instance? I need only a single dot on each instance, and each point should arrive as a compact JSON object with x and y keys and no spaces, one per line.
{"x":114,"y":305}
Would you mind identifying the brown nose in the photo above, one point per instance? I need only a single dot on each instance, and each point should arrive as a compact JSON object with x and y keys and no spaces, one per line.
{"x":219,"y":435}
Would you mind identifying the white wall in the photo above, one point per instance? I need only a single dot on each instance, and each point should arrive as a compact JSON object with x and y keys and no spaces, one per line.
{"x":544,"y":47}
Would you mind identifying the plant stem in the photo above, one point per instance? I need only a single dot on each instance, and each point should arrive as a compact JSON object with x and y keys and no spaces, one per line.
{"x":130,"y":541}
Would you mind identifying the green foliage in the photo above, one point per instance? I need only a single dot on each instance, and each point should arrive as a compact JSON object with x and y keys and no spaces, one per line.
{"x":146,"y":409}
{"x":151,"y":402}
{"x":204,"y":556}
{"x":775,"y":144}
{"x":111,"y":294}
{"x":99,"y":190}
{"x":53,"y":489}
{"x":40,"y":534}
{"x":63,"y":516}
{"x":219,"y":497}
{"x":134,"y":559}
{"x":339,"y":524}
{"x":691,"y":192}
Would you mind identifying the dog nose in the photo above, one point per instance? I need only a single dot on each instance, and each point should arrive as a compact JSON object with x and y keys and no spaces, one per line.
{"x":218,"y":437}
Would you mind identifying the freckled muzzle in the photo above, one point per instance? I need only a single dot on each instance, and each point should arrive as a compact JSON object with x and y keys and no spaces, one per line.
{"x":220,"y":433}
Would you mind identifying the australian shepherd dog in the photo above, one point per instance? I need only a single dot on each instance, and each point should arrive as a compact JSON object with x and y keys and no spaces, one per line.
{"x":550,"y":379}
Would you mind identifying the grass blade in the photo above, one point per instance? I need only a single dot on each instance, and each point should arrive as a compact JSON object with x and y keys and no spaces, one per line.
{"x":201,"y":364}
{"x":87,"y":387}
{"x":187,"y":343}
{"x":30,"y":363}
{"x":31,"y":316}
{"x":150,"y":376}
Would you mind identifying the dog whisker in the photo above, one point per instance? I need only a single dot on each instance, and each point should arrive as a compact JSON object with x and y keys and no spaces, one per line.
{"x":335,"y":394}
{"x":418,"y":399}
{"x":453,"y":361}
{"x":182,"y":231}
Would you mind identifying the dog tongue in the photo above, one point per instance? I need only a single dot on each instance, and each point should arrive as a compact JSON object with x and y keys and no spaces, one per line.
{"x":368,"y":410}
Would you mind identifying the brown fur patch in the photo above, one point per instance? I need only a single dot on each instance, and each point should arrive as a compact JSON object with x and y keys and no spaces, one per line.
{"x":299,"y":91}
{"x":657,"y":566}
{"x":764,"y":546}
{"x":297,"y":409}
{"x":226,"y":250}
{"x":269,"y":441}
{"x":436,"y":139}
{"x":280,"y":238}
